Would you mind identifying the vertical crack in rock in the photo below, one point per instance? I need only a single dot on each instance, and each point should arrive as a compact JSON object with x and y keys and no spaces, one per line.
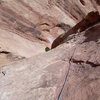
{"x":67,"y":74}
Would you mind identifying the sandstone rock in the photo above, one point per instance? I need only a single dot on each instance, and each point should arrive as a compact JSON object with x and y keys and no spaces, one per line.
{"x":29,"y":19}
{"x":68,"y":72}
{"x":17,"y":45}
{"x":22,"y":16}
{"x":35,"y":78}
{"x":91,"y":19}
{"x":83,"y":80}
{"x":71,"y":71}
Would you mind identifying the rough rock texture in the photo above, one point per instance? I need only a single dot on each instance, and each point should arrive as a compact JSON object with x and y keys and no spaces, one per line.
{"x":91,"y":19}
{"x":68,"y":72}
{"x":37,"y":21}
{"x":84,"y":76}
{"x":13,"y":43}
{"x":71,"y":71}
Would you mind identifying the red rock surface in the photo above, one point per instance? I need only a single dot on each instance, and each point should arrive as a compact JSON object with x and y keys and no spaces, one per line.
{"x":71,"y":71}
{"x":68,"y":72}
{"x":27,"y":18}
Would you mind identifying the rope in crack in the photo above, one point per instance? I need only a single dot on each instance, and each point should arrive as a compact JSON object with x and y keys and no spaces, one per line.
{"x":59,"y":96}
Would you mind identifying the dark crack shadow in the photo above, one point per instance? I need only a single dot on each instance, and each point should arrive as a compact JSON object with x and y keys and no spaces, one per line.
{"x":87,"y":62}
{"x":92,"y":34}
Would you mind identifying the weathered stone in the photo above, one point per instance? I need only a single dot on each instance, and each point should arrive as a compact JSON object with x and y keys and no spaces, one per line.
{"x":71,"y":71}
{"x":68,"y":72}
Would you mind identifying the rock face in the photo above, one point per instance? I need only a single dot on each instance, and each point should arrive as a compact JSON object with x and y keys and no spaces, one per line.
{"x":91,"y":19}
{"x":83,"y":80}
{"x":68,"y":72}
{"x":37,"y":21}
{"x":13,"y":43}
